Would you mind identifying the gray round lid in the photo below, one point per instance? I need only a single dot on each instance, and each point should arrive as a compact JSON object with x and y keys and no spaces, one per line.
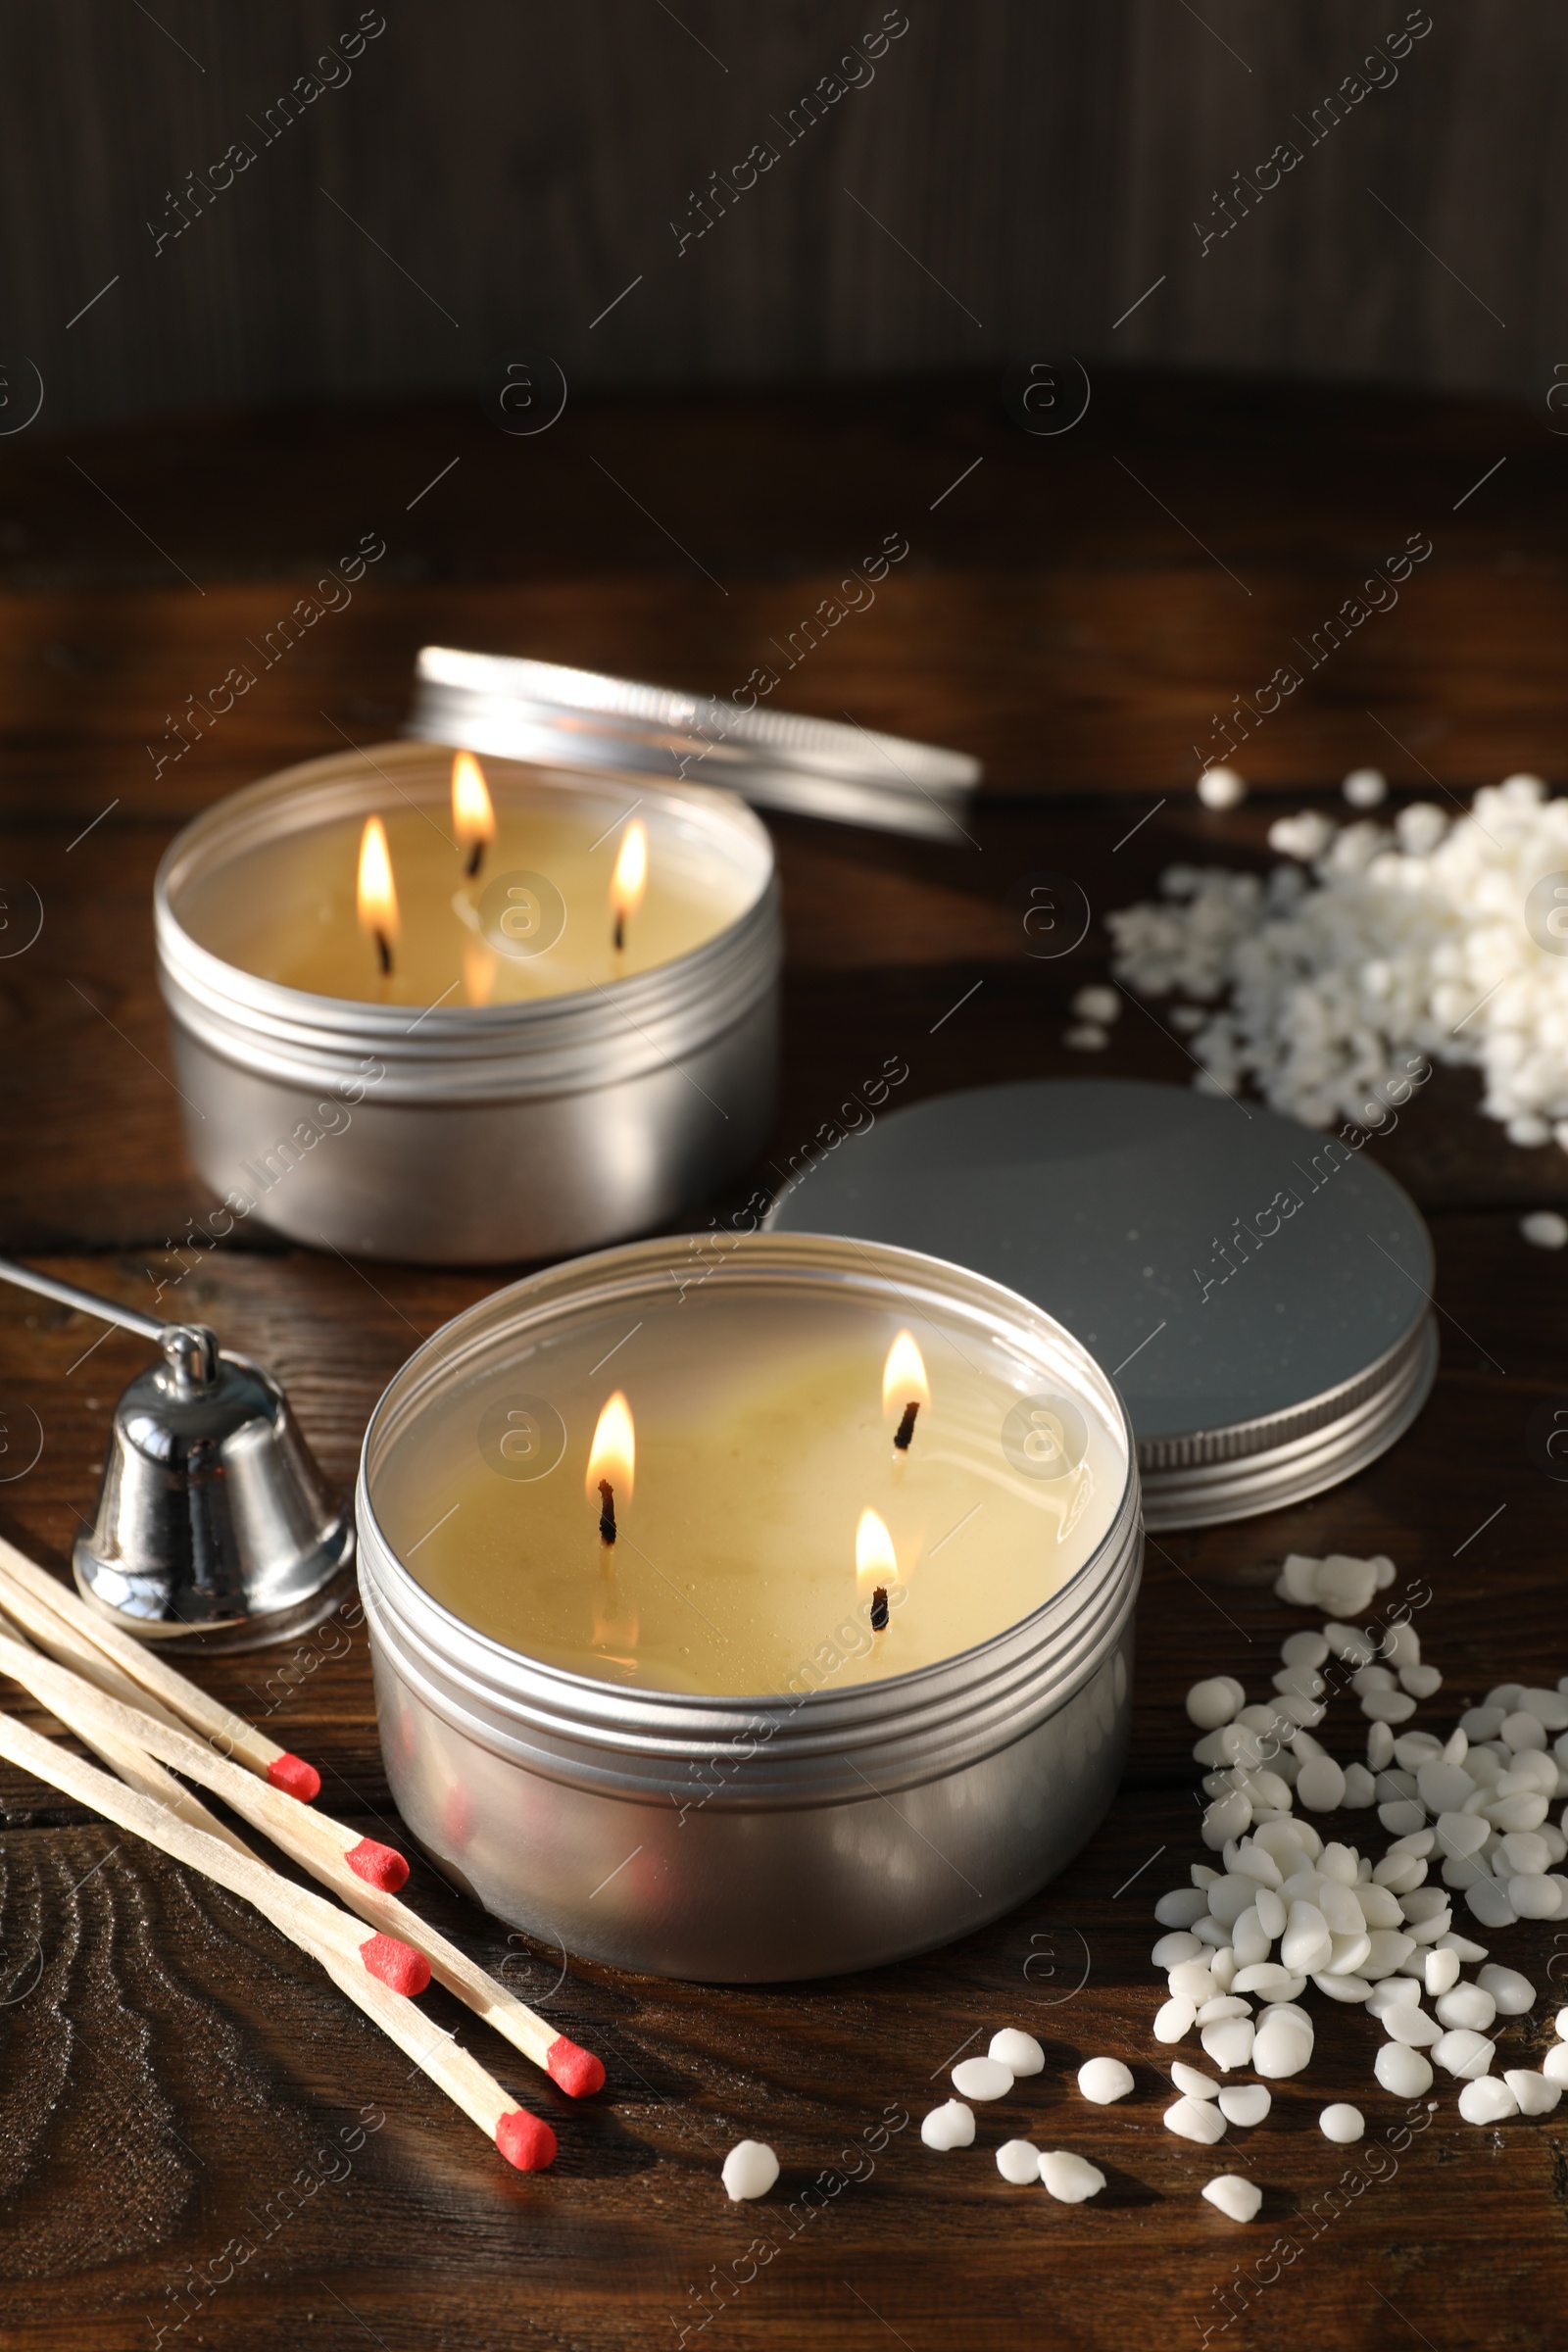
{"x":1260,"y":1292}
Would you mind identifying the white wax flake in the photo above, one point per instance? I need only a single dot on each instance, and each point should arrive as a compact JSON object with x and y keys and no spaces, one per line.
{"x":982,"y":2078}
{"x":1342,"y":2124}
{"x":950,"y":2126}
{"x":1332,"y":989}
{"x":1544,"y":1229}
{"x":1190,"y":2084}
{"x":1104,"y":2081}
{"x":1221,"y":787}
{"x":1195,"y":2118}
{"x":1238,"y":2199}
{"x":1487,"y":2101}
{"x":1463,"y":2052}
{"x":1365,"y":787}
{"x":1097,"y":1002}
{"x":1218,"y":1702}
{"x":749,"y":2171}
{"x":1070,"y":2178}
{"x":1018,"y":2160}
{"x":1086,"y":1037}
{"x":1175,"y":2019}
{"x":1554,"y":2065}
{"x":1535,"y":2094}
{"x":1245,"y":2104}
{"x":1405,"y":2072}
{"x":1019,"y":2052}
{"x":1305,"y":837}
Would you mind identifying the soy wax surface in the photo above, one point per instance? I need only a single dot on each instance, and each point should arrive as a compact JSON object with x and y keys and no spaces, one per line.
{"x":761,"y":1439}
{"x":287,"y":911}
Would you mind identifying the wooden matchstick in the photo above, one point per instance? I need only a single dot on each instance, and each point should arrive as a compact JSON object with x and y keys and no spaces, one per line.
{"x":362,"y":1871}
{"x":230,"y":1733}
{"x":309,"y":1922}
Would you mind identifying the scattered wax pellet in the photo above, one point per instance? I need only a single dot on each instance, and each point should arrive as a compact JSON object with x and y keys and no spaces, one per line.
{"x":1218,"y":1702}
{"x":1365,"y":787}
{"x":1018,"y":2160}
{"x":982,"y":2078}
{"x":1487,"y":2101}
{"x":1342,"y":2124}
{"x":1190,"y":2084}
{"x":1097,"y":1002}
{"x":749,"y":2171}
{"x":1244,"y":2103}
{"x":1019,"y":2052}
{"x":1195,"y":2118}
{"x":950,"y":2126}
{"x":1405,"y":2072}
{"x":1070,"y":2178}
{"x":1175,"y":2019}
{"x":1554,"y":2065}
{"x":1104,"y":2081}
{"x":1535,"y":2094}
{"x":1221,"y":787}
{"x":1544,"y":1229}
{"x":1238,"y":2199}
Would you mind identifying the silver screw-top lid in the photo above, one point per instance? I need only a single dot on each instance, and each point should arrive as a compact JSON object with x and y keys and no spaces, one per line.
{"x":522,"y":709}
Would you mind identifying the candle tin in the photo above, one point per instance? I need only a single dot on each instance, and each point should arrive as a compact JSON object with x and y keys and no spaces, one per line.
{"x":852,"y":776}
{"x":738,"y":1840}
{"x":461,"y":1135}
{"x":1262,"y":1293}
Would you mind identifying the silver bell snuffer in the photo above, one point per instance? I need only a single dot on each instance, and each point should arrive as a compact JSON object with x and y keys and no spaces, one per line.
{"x":215,"y":1527}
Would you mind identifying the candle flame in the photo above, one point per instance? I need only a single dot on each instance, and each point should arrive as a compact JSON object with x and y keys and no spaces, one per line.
{"x":875,"y":1561}
{"x":613,"y":1451}
{"x":630,"y":877}
{"x":478,"y":971}
{"x":378,"y":892}
{"x":473,"y":819}
{"x":904,"y":1380}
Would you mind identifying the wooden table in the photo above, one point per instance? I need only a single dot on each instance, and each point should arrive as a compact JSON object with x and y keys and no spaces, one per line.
{"x":173,"y":2078}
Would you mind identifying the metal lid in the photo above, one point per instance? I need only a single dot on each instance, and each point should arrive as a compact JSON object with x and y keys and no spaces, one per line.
{"x":522,"y":709}
{"x":1260,"y":1292}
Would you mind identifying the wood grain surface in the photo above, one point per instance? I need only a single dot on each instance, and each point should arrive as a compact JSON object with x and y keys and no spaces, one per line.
{"x":207,"y":204}
{"x":200,"y":2142}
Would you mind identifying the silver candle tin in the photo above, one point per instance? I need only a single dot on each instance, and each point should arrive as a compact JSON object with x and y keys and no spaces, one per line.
{"x":850,"y":775}
{"x":468,"y":1135}
{"x":752,"y":1840}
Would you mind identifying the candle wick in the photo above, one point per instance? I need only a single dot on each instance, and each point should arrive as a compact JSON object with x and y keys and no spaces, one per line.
{"x":475,"y":860}
{"x":879,"y":1610}
{"x":905,"y":1428}
{"x":606,"y":1514}
{"x":383,"y":952}
{"x":620,"y":933}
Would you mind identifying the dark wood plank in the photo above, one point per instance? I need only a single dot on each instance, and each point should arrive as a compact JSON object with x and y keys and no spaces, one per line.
{"x":173,"y":2077}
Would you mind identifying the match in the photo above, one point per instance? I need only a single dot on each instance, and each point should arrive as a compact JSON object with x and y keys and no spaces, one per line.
{"x":230,"y":1734}
{"x":361,"y":1871}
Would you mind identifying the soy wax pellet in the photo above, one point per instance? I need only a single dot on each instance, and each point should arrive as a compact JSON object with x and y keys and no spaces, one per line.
{"x":1068,"y":2178}
{"x":1342,"y":2124}
{"x":982,"y":2078}
{"x":950,"y":2126}
{"x":1019,"y":2052}
{"x":1018,"y":2160}
{"x":749,"y":2171}
{"x":1238,"y":2199}
{"x":1104,"y":2081}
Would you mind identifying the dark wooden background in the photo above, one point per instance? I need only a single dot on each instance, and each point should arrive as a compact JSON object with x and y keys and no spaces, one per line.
{"x":168,"y":2066}
{"x":1017,"y":177}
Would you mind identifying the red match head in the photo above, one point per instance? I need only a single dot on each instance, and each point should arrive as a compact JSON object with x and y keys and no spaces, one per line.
{"x":295,"y":1778}
{"x":396,"y":1963}
{"x":378,"y":1865}
{"x":578,"y":2072}
{"x":525,"y":2141}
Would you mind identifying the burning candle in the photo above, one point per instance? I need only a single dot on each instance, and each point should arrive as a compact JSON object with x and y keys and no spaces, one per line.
{"x":628,"y":882}
{"x":376,"y":895}
{"x":473,"y":818}
{"x":695,"y":1492}
{"x":526,"y":892}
